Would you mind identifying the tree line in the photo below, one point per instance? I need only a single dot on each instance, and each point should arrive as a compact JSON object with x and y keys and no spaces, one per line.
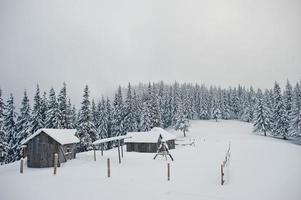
{"x":144,"y":106}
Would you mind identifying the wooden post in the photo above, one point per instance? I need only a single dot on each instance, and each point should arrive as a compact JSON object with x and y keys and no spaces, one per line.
{"x":168,"y":171}
{"x":94,"y":154}
{"x":102,"y":149}
{"x":21,"y":165}
{"x":119,"y":152}
{"x":222,"y":175}
{"x":55,"y":163}
{"x":122,"y":149}
{"x":109,"y":167}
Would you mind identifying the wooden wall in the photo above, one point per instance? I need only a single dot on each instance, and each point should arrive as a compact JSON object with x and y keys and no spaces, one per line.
{"x":147,"y":147}
{"x":41,"y":150}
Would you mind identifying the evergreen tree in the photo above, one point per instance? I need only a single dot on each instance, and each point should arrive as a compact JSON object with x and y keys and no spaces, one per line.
{"x":261,"y":116}
{"x":23,"y":123}
{"x":62,"y":107}
{"x":53,"y":119}
{"x":130,"y":120}
{"x":154,"y":110}
{"x":279,"y":120}
{"x":86,"y":128}
{"x":3,"y":147}
{"x":2,"y":107}
{"x":288,"y":106}
{"x":71,"y":115}
{"x":37,"y":121}
{"x":9,"y":127}
{"x":181,"y":121}
{"x":145,"y":116}
{"x":102,"y":127}
{"x":118,"y":114}
{"x":295,"y":125}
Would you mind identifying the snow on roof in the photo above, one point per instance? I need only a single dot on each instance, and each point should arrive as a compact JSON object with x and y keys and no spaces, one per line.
{"x":149,"y":137}
{"x":110,"y":139}
{"x":62,"y":136}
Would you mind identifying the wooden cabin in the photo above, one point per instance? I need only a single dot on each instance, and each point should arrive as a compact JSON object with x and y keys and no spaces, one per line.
{"x":148,"y":142}
{"x":41,"y":146}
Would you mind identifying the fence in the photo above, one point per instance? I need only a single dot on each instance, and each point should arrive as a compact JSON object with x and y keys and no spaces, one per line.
{"x":225,"y":164}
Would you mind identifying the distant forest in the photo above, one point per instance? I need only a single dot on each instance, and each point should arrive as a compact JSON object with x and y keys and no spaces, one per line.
{"x":140,"y":108}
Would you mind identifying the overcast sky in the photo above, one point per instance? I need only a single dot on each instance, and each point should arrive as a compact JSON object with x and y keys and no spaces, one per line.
{"x":104,"y":43}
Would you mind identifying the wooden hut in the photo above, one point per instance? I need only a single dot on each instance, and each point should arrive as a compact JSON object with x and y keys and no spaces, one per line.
{"x":149,"y":142}
{"x":44,"y":143}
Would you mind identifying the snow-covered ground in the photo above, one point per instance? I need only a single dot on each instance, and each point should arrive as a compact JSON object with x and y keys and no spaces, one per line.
{"x":260,"y":168}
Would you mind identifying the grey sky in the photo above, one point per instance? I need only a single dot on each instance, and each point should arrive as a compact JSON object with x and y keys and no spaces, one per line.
{"x":106,"y":43}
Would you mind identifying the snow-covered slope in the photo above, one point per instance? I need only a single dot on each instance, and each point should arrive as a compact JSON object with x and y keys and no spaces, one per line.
{"x":261,"y":168}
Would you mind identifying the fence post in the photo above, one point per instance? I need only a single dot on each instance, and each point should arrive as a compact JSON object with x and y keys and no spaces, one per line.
{"x":222,"y":175}
{"x":109,"y":167}
{"x":94,"y":154}
{"x":168,"y":171}
{"x":55,"y":163}
{"x":21,"y":165}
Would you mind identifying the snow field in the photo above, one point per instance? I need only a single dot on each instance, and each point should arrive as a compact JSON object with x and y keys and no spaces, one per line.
{"x":260,"y":168}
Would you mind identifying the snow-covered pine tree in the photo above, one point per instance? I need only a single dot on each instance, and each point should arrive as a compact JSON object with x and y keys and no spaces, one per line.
{"x":130,"y":121}
{"x":167,"y":108}
{"x":181,"y":120}
{"x":118,"y":114}
{"x":71,"y":115}
{"x":216,"y":113}
{"x":279,"y":120}
{"x":261,"y":115}
{"x":102,"y":127}
{"x":288,"y":106}
{"x":62,"y":106}
{"x":37,"y":120}
{"x":109,"y":121}
{"x":295,"y":125}
{"x":9,"y":128}
{"x":137,"y":106}
{"x":145,"y":123}
{"x":1,"y":110}
{"x":23,"y":123}
{"x":225,"y":106}
{"x":95,"y":120}
{"x":154,"y":111}
{"x":3,"y":147}
{"x":53,"y":118}
{"x":86,"y":128}
{"x":44,"y":108}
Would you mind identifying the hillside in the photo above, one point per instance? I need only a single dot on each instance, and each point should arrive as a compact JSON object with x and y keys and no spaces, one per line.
{"x":260,"y":168}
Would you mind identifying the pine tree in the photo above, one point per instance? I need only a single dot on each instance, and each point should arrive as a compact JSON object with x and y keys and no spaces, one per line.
{"x":288,"y":106}
{"x":279,"y":120}
{"x":71,"y":115}
{"x":154,"y":110}
{"x":62,"y":107}
{"x":102,"y":127}
{"x":53,"y":119}
{"x":130,"y":120}
{"x":3,"y":147}
{"x":95,"y":120}
{"x":145,"y":123}
{"x":261,"y":115}
{"x":9,"y":128}
{"x":181,"y":121}
{"x":1,"y":110}
{"x":118,"y":114}
{"x":295,"y":125}
{"x":37,"y":121}
{"x":23,"y":123}
{"x":86,"y":128}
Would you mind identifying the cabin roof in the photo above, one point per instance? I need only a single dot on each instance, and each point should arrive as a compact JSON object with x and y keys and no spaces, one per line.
{"x":151,"y":136}
{"x":62,"y":136}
